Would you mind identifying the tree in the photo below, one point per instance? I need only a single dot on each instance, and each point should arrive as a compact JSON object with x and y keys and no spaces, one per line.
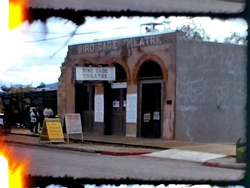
{"x":195,"y":31}
{"x":17,"y":88}
{"x":5,"y":88}
{"x":42,"y":85}
{"x":236,"y":39}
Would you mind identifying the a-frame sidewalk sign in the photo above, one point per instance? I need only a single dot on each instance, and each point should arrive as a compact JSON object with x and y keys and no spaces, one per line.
{"x":52,"y":131}
{"x":73,"y":124}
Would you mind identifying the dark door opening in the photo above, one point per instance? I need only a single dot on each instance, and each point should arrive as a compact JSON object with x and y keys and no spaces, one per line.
{"x":118,"y":102}
{"x":118,"y":116}
{"x":150,"y":77}
{"x":151,"y":110}
{"x":84,"y":104}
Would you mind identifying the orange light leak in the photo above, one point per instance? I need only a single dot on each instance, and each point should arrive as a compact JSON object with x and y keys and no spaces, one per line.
{"x":16,"y":13}
{"x":17,"y":166}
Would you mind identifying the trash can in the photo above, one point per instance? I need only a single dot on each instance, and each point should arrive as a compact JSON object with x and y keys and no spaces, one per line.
{"x":241,"y":151}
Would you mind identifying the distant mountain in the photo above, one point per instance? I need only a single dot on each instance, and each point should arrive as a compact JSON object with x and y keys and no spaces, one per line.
{"x":53,"y":85}
{"x":2,"y":83}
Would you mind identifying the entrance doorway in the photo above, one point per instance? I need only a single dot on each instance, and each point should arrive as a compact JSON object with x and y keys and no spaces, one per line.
{"x":150,"y":100}
{"x":151,"y":110}
{"x":84,"y":104}
{"x":118,"y":95}
{"x":118,"y":116}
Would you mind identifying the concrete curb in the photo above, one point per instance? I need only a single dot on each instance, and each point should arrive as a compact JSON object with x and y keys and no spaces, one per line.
{"x":31,"y":135}
{"x":225,"y":165}
{"x":123,"y":153}
{"x":209,"y":164}
{"x":52,"y":146}
{"x":237,"y":166}
{"x":107,"y":143}
{"x":79,"y":149}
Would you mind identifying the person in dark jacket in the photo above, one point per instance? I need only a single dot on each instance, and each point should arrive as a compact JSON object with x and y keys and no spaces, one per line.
{"x":34,"y":118}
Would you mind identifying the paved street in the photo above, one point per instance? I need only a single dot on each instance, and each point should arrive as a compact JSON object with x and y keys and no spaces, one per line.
{"x":54,"y":162}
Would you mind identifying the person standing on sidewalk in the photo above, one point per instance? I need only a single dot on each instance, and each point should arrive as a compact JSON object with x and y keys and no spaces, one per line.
{"x":48,"y":112}
{"x":34,"y":118}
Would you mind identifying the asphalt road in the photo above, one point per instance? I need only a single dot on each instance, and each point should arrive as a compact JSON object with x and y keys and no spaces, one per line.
{"x":58,"y":163}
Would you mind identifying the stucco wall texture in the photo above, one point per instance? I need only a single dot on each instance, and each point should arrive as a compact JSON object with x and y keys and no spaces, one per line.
{"x":210,"y":91}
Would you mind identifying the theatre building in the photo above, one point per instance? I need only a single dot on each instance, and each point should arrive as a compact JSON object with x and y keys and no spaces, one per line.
{"x":156,"y":86}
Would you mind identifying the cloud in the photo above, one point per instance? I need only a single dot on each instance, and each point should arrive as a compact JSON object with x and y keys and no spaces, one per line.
{"x":33,"y":75}
{"x":5,"y":78}
{"x":27,"y":62}
{"x":32,"y":62}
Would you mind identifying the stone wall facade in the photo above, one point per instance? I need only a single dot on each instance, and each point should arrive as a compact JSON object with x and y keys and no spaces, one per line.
{"x":131,"y":54}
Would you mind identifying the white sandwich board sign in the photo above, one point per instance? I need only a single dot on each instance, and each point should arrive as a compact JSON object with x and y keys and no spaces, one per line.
{"x":73,"y":124}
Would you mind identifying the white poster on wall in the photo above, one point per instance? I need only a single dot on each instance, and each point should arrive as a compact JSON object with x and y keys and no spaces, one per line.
{"x":116,"y":104}
{"x":99,"y":108}
{"x":131,"y":110}
{"x":156,"y":116}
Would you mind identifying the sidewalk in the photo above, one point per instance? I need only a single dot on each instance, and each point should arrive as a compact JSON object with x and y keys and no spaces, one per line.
{"x":217,"y":155}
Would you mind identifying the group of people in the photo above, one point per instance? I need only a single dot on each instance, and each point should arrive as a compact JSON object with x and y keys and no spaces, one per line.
{"x":36,"y":118}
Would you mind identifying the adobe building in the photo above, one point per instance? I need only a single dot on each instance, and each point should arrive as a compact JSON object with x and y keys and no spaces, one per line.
{"x":156,"y":85}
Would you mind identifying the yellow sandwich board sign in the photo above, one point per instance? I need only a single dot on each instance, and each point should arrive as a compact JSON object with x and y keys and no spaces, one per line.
{"x":51,"y":131}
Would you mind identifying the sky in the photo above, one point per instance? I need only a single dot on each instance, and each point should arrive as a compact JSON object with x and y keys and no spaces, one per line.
{"x":25,"y":60}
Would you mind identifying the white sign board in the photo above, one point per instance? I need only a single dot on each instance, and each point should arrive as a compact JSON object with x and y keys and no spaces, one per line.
{"x":99,"y":108}
{"x":95,"y":73}
{"x":73,"y":124}
{"x":131,"y":110}
{"x":119,"y":85}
